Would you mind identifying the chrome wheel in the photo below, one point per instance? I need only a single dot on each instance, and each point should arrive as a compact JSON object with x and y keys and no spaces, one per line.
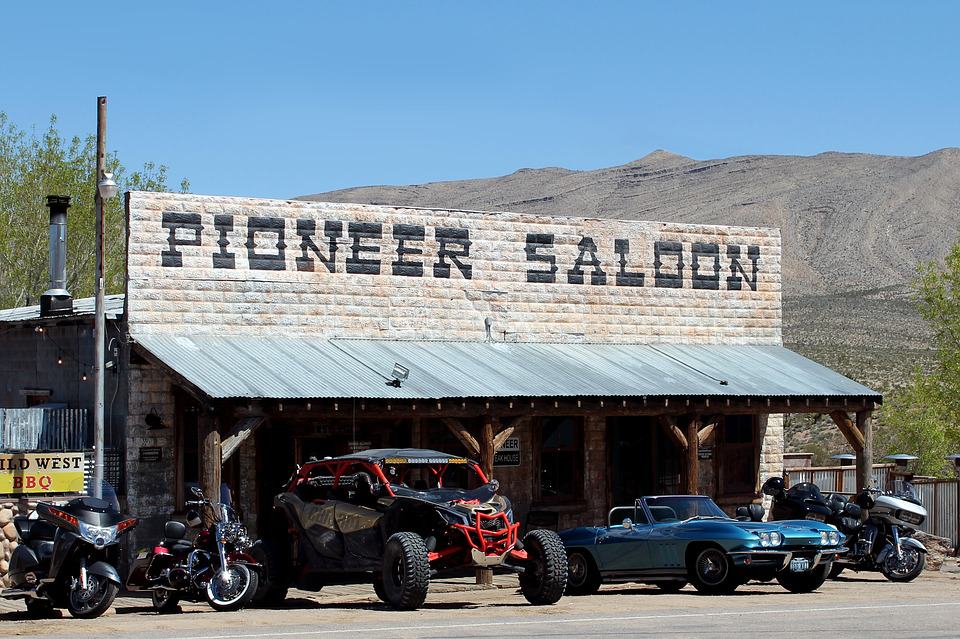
{"x":232,"y":588}
{"x":906,"y":568}
{"x":712,"y":567}
{"x":578,"y":570}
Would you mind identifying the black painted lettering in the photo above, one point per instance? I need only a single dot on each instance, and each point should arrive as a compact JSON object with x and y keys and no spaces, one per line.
{"x":223,"y":259}
{"x":624,"y":277}
{"x":176,"y":222}
{"x":535,"y":242}
{"x":306,"y":229}
{"x":458,"y":237}
{"x":735,"y":282}
{"x":597,"y":276}
{"x":266,"y":261}
{"x":360,"y":231}
{"x":404,"y":233}
{"x":711,"y":252}
{"x":668,"y":250}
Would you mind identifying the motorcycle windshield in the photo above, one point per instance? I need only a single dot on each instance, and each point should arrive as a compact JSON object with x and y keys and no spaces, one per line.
{"x":95,"y":512}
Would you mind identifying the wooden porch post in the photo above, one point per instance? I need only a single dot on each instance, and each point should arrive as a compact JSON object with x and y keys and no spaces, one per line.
{"x":210,"y":460}
{"x":693,"y":460}
{"x":865,"y":455}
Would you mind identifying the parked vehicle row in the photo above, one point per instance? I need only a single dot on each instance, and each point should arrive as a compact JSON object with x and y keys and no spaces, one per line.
{"x":395,"y":518}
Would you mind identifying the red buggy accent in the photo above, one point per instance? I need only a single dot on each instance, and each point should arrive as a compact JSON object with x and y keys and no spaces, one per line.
{"x":490,"y":539}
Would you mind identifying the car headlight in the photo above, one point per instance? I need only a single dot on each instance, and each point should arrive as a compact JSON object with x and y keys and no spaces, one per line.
{"x":768,"y":539}
{"x":834,"y":537}
{"x":98,"y":535}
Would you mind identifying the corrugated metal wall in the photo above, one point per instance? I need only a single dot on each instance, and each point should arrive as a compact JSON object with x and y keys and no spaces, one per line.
{"x":63,"y":429}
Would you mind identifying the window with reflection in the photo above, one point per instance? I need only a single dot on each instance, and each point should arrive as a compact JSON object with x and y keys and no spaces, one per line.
{"x":561,"y":458}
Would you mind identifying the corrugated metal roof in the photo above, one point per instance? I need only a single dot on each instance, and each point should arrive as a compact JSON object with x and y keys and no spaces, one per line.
{"x":113,"y":308}
{"x":280,"y":367}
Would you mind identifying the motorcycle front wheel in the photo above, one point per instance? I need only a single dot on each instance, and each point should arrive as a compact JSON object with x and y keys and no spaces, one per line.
{"x":92,"y":601}
{"x":906,"y":569}
{"x":232,"y":588}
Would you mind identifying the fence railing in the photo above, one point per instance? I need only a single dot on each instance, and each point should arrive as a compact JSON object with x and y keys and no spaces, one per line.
{"x":62,"y":429}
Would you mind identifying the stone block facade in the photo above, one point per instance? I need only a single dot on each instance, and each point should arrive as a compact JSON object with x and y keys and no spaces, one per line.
{"x":225,"y":265}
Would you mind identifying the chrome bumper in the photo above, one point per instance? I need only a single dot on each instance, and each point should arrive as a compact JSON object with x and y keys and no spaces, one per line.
{"x":787,"y":555}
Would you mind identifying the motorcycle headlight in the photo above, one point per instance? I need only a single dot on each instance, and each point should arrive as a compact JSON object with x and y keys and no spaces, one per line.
{"x":99,"y":536}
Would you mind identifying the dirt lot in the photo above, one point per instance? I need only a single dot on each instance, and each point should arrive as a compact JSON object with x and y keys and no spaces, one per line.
{"x":854,"y":606}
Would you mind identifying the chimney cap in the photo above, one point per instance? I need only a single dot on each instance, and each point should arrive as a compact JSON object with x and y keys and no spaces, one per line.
{"x":58,"y":200}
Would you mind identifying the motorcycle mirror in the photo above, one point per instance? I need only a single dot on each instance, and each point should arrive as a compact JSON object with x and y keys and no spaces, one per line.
{"x":196,"y":492}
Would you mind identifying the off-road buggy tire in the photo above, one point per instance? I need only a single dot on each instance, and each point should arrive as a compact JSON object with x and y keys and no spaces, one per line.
{"x":273,"y":582}
{"x":545,"y":576}
{"x":406,"y":571}
{"x":803,"y":582}
{"x":378,"y":587}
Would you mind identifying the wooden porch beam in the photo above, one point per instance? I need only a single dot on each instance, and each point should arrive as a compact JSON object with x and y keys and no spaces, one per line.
{"x":669,"y":425}
{"x":864,"y":428}
{"x":848,"y":429}
{"x":460,"y":431}
{"x":693,"y":459}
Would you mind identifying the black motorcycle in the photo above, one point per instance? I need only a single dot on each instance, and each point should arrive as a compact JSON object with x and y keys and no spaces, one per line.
{"x":216,"y":567}
{"x":878,"y":525}
{"x":68,"y":557}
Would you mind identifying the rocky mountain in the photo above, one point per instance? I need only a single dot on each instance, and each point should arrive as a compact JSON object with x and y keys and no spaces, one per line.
{"x":854,"y":228}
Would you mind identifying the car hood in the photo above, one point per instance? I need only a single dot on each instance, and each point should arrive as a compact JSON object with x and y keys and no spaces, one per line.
{"x":800,"y":532}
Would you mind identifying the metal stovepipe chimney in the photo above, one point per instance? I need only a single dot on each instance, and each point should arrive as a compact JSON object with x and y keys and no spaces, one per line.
{"x":56,"y":300}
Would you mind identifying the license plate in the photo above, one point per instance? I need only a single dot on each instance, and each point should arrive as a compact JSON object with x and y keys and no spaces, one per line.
{"x":816,"y":516}
{"x":799,"y":565}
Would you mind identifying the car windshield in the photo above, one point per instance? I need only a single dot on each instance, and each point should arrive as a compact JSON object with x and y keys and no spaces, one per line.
{"x":673,"y":509}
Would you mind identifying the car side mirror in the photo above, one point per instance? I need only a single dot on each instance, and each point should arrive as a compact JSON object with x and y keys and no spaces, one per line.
{"x":755,"y":511}
{"x":627,"y":522}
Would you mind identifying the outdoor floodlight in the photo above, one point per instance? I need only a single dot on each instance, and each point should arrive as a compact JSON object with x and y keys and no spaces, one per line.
{"x":106,"y":187}
{"x":399,"y":374}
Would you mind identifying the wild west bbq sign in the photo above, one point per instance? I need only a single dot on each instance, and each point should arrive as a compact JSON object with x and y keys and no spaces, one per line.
{"x":39,"y":473}
{"x":234,"y":264}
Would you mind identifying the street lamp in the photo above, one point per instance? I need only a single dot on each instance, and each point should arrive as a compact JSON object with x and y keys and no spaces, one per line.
{"x":106,"y":187}
{"x":106,"y":190}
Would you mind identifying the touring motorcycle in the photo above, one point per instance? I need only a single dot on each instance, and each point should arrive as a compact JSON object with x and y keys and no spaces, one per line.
{"x":216,"y":567}
{"x":879,"y":525}
{"x":67,"y":557}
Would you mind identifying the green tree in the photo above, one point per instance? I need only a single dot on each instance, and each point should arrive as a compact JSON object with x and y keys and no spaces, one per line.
{"x":34,"y":165}
{"x":923,"y":418}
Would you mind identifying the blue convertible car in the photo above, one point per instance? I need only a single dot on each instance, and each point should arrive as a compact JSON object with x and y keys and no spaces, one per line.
{"x":671,"y":540}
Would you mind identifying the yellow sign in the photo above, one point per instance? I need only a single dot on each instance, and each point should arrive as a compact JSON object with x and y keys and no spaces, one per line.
{"x":38,"y":473}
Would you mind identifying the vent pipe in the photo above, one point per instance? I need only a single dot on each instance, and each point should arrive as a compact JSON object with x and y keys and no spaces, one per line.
{"x":56,"y":300}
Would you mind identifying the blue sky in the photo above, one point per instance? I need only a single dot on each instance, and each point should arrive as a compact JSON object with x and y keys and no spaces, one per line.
{"x":281,"y":99}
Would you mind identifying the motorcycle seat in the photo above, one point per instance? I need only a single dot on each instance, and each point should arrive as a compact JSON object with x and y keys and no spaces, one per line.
{"x":33,"y":529}
{"x":177,"y":546}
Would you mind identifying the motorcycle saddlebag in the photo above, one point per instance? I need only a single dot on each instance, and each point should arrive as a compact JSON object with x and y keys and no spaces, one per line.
{"x":138,"y":570}
{"x":22,"y":561}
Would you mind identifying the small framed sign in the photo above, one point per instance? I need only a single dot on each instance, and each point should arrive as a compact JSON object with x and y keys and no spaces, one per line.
{"x":151,"y":453}
{"x":509,"y":453}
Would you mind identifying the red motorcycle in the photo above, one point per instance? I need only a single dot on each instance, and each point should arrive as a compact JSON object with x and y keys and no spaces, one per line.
{"x":216,"y":567}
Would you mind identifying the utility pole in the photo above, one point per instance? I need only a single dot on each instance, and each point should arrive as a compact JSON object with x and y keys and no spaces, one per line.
{"x":99,"y":323}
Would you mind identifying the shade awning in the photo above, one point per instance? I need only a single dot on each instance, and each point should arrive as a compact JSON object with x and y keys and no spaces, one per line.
{"x":289,"y":368}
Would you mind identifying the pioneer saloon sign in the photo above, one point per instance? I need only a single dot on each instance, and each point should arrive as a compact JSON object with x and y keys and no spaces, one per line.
{"x":236,"y":265}
{"x":367,"y":248}
{"x":40,"y":473}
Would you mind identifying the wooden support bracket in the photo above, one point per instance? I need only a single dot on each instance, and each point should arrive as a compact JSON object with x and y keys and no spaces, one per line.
{"x":849,"y":430}
{"x":670,"y":426}
{"x":460,"y":431}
